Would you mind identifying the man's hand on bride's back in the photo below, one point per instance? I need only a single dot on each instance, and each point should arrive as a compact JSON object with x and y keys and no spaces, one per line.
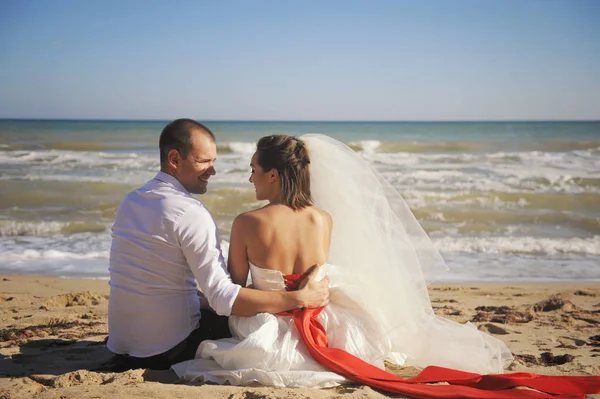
{"x":314,"y":293}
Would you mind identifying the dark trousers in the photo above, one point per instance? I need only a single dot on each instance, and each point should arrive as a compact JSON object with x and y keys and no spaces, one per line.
{"x":212,"y":326}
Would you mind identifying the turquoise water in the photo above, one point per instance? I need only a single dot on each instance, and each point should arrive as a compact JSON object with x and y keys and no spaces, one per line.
{"x":501,"y":200}
{"x":144,"y":133}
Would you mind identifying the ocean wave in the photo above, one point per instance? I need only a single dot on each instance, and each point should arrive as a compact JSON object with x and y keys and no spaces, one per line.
{"x":367,"y":146}
{"x":126,"y":179}
{"x":561,"y":146}
{"x":464,"y":172}
{"x":513,"y":200}
{"x":490,"y":158}
{"x":429,"y":147}
{"x":373,"y":150}
{"x":236,"y":147}
{"x":473,"y":148}
{"x":85,"y":146}
{"x":510,"y":245}
{"x":520,"y":245}
{"x":504,"y":223}
{"x":494,"y":181}
{"x":53,"y":254}
{"x":11,"y":229}
{"x":591,"y":146}
{"x":502,"y":172}
{"x":32,"y":228}
{"x":528,"y":268}
{"x":67,"y":160}
{"x":507,"y":258}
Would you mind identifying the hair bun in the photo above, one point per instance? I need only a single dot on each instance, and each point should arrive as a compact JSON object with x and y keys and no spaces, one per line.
{"x":289,"y":156}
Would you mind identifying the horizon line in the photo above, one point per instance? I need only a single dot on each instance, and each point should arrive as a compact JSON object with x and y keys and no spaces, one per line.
{"x":304,"y":120}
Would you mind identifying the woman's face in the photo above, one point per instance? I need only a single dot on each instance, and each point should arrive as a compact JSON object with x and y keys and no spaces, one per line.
{"x":260,"y":179}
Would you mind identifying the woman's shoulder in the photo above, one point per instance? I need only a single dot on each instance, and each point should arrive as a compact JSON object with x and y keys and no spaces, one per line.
{"x":270,"y":215}
{"x":320,"y":215}
{"x":251,"y":219}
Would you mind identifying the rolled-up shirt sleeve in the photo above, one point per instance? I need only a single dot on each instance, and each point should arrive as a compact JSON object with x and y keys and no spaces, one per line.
{"x":199,"y":239}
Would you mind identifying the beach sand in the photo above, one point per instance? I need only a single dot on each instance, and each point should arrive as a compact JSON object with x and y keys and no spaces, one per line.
{"x":52,"y":334}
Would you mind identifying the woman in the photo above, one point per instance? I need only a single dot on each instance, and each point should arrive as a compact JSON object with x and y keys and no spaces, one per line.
{"x":326,"y":204}
{"x":286,"y":236}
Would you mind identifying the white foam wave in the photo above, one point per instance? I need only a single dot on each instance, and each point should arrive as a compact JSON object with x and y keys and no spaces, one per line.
{"x":12,"y":228}
{"x":520,"y":245}
{"x":578,"y":161}
{"x":535,"y":180}
{"x":53,"y":254}
{"x":420,"y":200}
{"x":427,"y":199}
{"x":242,"y":147}
{"x":67,"y":159}
{"x":470,"y":258}
{"x":366,"y":146}
{"x":491,"y":267}
{"x":501,"y":171}
{"x":131,"y":178}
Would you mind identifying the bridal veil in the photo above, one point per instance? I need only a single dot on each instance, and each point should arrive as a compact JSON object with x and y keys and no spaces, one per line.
{"x":388,"y":260}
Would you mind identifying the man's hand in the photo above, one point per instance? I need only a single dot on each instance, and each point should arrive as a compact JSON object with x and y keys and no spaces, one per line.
{"x":311,"y":294}
{"x":314,"y":293}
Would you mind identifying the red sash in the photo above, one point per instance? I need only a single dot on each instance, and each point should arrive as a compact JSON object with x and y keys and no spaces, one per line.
{"x":462,"y":384}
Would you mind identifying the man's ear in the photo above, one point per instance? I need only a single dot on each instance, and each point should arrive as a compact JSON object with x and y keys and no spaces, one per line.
{"x":174,"y":157}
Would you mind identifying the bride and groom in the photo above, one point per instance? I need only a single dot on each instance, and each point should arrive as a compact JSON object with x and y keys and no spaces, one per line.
{"x":326,"y":206}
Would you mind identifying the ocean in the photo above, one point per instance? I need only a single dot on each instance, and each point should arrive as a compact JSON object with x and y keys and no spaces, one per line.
{"x":502,"y":201}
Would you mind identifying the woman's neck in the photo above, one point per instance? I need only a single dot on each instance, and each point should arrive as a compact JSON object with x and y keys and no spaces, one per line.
{"x":276,"y":199}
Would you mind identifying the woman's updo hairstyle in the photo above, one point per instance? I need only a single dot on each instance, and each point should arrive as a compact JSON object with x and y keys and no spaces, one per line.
{"x":290,"y":157}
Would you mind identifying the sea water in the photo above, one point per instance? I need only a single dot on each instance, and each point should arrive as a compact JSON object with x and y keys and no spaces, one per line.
{"x":502,"y":201}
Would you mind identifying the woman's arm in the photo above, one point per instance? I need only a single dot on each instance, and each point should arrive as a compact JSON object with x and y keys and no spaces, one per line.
{"x":237,"y":262}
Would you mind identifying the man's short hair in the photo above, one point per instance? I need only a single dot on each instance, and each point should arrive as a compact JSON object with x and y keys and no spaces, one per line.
{"x":178,"y":135}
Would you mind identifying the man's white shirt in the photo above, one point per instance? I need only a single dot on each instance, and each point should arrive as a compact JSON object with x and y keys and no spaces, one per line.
{"x":164,"y":240}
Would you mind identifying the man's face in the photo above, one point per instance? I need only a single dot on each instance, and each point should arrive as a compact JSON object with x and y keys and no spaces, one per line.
{"x":194,"y":171}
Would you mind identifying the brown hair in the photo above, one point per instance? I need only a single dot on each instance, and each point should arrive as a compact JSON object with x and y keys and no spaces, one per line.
{"x":178,"y":135}
{"x":290,"y":157}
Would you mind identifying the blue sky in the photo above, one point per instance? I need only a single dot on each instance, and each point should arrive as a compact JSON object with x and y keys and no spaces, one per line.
{"x":301,"y":60}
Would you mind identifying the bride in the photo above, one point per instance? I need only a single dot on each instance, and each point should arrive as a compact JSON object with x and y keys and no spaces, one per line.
{"x":327,"y":205}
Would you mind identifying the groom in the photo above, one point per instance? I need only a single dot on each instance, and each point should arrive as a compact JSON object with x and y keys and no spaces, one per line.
{"x":166,"y":244}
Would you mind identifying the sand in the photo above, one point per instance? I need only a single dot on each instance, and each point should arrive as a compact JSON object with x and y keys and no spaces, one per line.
{"x":52,"y":334}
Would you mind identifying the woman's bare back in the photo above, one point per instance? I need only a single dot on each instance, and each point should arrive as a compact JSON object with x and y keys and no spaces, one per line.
{"x":280,"y":238}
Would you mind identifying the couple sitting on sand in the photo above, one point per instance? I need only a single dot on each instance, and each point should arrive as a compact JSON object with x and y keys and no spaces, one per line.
{"x":298,"y":325}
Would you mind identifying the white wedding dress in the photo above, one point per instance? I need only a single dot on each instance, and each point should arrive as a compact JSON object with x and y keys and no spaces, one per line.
{"x":380,"y":307}
{"x":268,"y":350}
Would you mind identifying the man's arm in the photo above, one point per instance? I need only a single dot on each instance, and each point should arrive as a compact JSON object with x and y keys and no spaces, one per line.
{"x":312,"y":294}
{"x":199,"y":241}
{"x":250,"y":301}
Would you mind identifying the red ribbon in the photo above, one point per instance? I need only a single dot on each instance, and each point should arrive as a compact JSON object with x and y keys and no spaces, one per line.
{"x":462,"y":384}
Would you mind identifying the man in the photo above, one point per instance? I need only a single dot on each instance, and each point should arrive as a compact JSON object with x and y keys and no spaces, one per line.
{"x":165,"y":244}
